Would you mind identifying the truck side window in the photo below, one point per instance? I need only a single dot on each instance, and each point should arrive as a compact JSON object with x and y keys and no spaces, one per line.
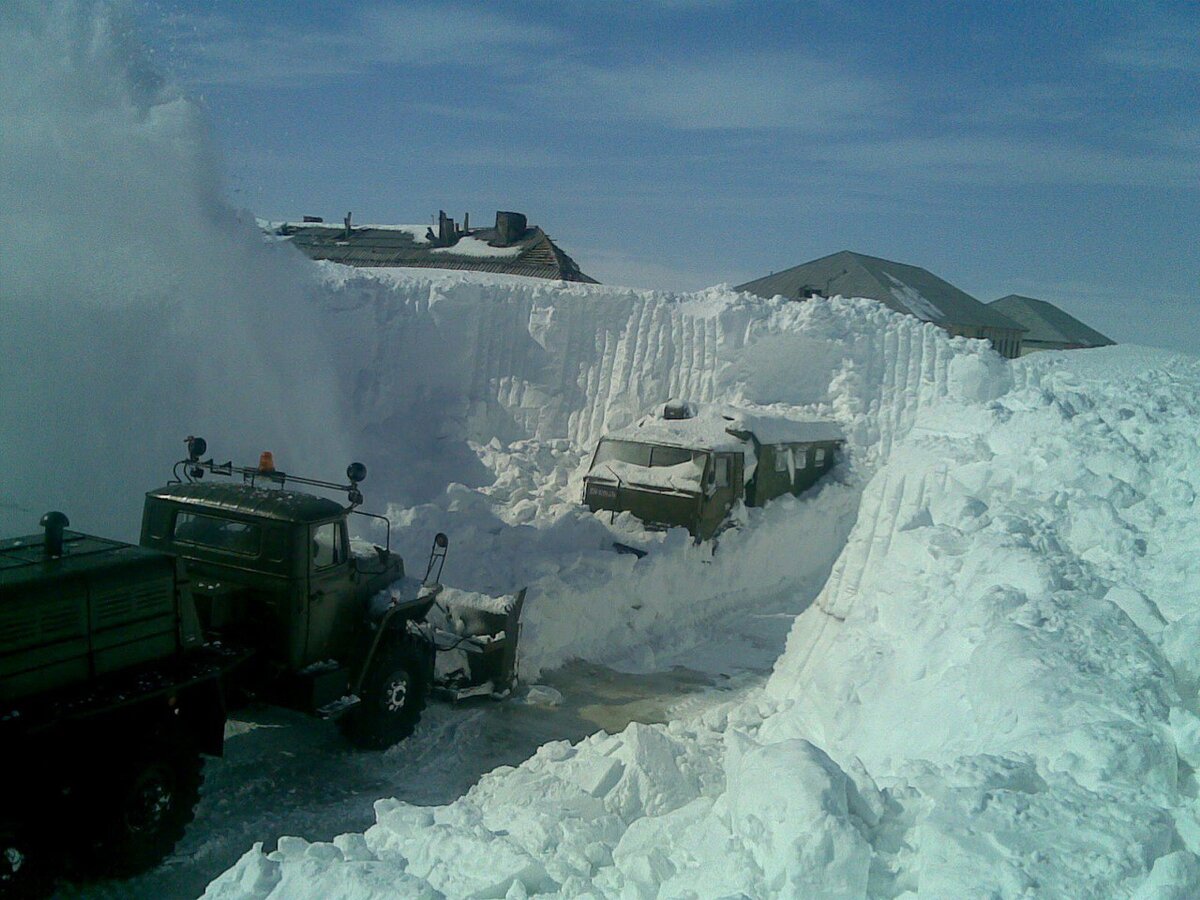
{"x":820,"y":460}
{"x":801,"y":457}
{"x":722,"y":464}
{"x":327,"y":545}
{"x":781,"y":458}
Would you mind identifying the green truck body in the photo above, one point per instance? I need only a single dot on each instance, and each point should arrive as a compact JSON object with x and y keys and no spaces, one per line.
{"x":108,"y":697}
{"x":100,"y":608}
{"x":686,"y":465}
{"x":131,"y":653}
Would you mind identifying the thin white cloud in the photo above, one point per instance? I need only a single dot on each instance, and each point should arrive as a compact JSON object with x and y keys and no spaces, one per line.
{"x":625,"y":269}
{"x":220,"y":50}
{"x":735,"y":92}
{"x":974,"y":159}
{"x":1164,"y":48}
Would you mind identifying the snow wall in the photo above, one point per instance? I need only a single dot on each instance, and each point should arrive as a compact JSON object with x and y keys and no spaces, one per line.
{"x":480,"y":398}
{"x":994,"y":693}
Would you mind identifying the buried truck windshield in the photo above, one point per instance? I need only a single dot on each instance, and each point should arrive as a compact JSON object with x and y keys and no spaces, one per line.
{"x":646,"y":455}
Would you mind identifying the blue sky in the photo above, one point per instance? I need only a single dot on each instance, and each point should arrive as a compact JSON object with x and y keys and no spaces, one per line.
{"x":1048,"y":149}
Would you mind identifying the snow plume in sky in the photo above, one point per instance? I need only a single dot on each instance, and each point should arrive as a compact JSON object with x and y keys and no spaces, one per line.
{"x":138,"y":307}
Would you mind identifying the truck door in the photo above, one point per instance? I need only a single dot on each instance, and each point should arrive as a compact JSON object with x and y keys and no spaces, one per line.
{"x":329,"y":584}
{"x":724,"y":488}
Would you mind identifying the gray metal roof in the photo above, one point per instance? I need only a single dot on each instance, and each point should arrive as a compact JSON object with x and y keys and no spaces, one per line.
{"x":535,"y":256}
{"x":1047,"y":323}
{"x":904,"y":288}
{"x":267,"y":503}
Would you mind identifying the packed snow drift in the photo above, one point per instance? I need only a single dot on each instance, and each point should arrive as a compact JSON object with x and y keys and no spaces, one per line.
{"x":994,"y":692}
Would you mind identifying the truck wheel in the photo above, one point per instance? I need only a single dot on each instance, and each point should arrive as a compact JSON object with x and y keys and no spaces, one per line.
{"x":144,"y":814}
{"x":393,"y":696}
{"x":20,"y":872}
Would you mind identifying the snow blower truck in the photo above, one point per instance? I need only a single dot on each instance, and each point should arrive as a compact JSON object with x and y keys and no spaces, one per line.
{"x":118,"y":662}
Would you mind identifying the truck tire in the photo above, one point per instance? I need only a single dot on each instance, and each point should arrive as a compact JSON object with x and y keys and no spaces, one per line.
{"x":23,"y":872}
{"x":393,"y":695}
{"x":143,"y":814}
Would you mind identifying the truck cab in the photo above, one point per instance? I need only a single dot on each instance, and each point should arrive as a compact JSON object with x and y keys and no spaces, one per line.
{"x":272,"y":570}
{"x":269,"y":567}
{"x":665,"y":484}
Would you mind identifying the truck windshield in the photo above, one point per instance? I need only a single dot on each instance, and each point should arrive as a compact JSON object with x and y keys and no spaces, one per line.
{"x":230,"y":535}
{"x":646,"y":455}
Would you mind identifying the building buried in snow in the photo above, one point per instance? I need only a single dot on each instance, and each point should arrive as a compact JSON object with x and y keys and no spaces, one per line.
{"x":904,"y":288}
{"x":1047,"y":326}
{"x":512,"y":247}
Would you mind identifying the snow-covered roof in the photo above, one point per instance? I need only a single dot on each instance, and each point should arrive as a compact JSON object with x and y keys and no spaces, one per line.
{"x":532,"y":254}
{"x":780,"y":430}
{"x":904,"y":288}
{"x":717,"y":427}
{"x":1047,"y":323}
{"x":416,"y":232}
{"x":473,"y":246}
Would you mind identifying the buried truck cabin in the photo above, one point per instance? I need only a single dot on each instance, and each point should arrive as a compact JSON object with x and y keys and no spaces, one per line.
{"x":687,"y":465}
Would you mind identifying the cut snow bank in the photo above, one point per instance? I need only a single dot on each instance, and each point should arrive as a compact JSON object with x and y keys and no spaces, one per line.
{"x":994,"y":693}
{"x":500,"y":388}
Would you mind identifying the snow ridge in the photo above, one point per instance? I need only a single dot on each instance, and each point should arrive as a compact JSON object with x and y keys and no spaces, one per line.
{"x":994,"y":692}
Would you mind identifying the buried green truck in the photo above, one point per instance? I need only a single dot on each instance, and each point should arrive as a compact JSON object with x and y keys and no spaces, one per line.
{"x":687,"y":465}
{"x":118,"y":662}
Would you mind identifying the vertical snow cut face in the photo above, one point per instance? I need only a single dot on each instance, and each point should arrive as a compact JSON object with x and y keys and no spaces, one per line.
{"x":993,"y":692}
{"x":500,"y":389}
{"x":138,"y":308}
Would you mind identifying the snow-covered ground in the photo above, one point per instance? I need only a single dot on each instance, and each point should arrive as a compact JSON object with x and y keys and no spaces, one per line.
{"x":990,"y":683}
{"x":993,"y":694}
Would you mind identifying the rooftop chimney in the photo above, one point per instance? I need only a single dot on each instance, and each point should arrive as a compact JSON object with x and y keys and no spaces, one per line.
{"x":510,"y":228}
{"x":347,"y":221}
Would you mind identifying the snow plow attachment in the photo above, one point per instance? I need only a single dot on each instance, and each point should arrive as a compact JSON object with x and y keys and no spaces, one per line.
{"x":477,"y":644}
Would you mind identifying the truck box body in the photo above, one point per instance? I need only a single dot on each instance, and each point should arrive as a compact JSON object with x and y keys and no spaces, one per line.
{"x":101,"y":607}
{"x":686,"y":464}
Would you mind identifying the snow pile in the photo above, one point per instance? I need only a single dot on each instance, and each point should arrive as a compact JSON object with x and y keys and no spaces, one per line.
{"x":994,"y":693}
{"x":499,"y":388}
{"x":472,"y":246}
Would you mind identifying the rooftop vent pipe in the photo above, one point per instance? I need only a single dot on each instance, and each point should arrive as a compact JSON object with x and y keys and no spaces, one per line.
{"x":677,"y":409}
{"x":54,"y":522}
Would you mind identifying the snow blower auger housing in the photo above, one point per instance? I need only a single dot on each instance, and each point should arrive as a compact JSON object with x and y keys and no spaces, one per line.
{"x":477,"y":637}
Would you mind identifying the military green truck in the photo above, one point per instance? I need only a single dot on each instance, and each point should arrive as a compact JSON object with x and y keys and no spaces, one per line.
{"x":107,"y":698}
{"x":686,"y":464}
{"x":118,"y":662}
